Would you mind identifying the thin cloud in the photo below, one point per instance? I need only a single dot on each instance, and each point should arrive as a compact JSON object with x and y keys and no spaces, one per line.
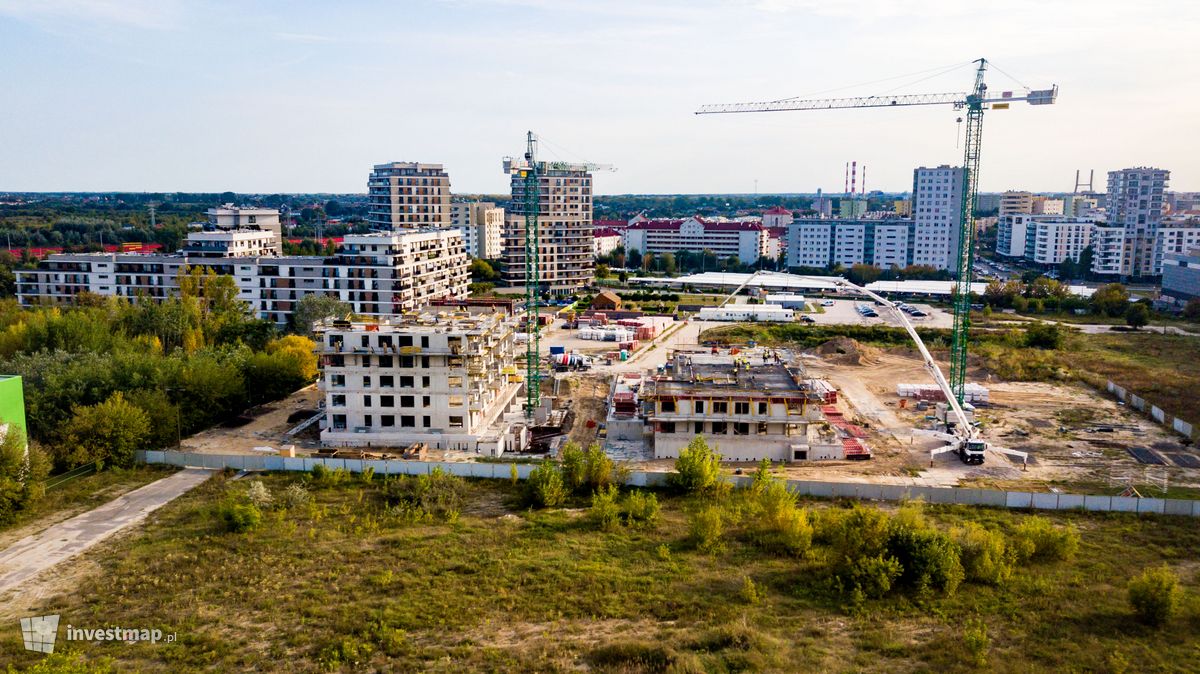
{"x":308,"y":38}
{"x":144,"y":14}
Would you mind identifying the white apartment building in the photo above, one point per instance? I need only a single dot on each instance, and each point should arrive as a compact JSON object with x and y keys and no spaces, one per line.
{"x":1045,"y":239}
{"x":776,"y":217}
{"x":1109,"y":250}
{"x":828,"y":243}
{"x":605,"y":240}
{"x":446,"y":380}
{"x":229,"y":217}
{"x":408,"y":195}
{"x":378,"y":274}
{"x":1135,"y":203}
{"x":230,"y":243}
{"x":566,"y":255}
{"x":1174,"y":237}
{"x":747,"y":241}
{"x":481,"y":224}
{"x":937,"y":216}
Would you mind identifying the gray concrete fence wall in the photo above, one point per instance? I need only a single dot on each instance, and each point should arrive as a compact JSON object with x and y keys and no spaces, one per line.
{"x":1156,"y":413}
{"x":853,"y":490}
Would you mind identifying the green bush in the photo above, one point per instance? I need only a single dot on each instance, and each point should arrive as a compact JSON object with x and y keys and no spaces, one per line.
{"x":778,"y":524}
{"x":1044,"y":336}
{"x":437,"y":495}
{"x":260,"y":497}
{"x":985,"y":556}
{"x":1038,"y":539}
{"x":975,"y":639}
{"x":598,"y":468}
{"x":605,"y":513}
{"x":296,"y":496}
{"x":707,"y":527}
{"x":545,"y":488}
{"x":698,"y":468}
{"x":574,"y":470}
{"x":239,"y":517}
{"x":1155,"y":595}
{"x":851,"y":534}
{"x":869,"y":577}
{"x":928,"y":559}
{"x":640,"y":508}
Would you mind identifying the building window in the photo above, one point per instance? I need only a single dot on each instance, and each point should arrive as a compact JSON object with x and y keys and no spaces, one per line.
{"x":406,"y":382}
{"x":367,"y":420}
{"x":698,"y":427}
{"x":719,"y":428}
{"x":698,"y":406}
{"x":455,"y":401}
{"x":366,"y":382}
{"x":366,"y":341}
{"x":366,"y":401}
{"x":338,"y":401}
{"x":667,"y":406}
{"x":387,"y":381}
{"x":385,"y":361}
{"x":741,"y":408}
{"x":741,"y":428}
{"x":339,"y":422}
{"x":424,"y":342}
{"x":425,"y":362}
{"x":762,"y":408}
{"x":454,"y":381}
{"x":456,"y":422}
{"x":406,"y":361}
{"x":425,"y":401}
{"x":387,"y":420}
{"x":762,"y":428}
{"x":408,"y":421}
{"x":425,"y":382}
{"x":667,"y":427}
{"x":720,"y":407}
{"x":406,"y":401}
{"x":387,"y":401}
{"x":425,"y":422}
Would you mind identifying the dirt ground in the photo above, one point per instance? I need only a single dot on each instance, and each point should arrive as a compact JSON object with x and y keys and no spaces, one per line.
{"x":1051,"y":422}
{"x":265,"y":430}
{"x":589,"y":399}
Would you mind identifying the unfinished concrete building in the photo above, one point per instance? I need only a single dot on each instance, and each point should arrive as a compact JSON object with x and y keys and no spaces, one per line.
{"x":748,"y":407}
{"x":446,"y":380}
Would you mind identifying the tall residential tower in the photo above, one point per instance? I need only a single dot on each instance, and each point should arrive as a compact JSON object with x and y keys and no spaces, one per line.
{"x":564,"y":229}
{"x":408,"y":195}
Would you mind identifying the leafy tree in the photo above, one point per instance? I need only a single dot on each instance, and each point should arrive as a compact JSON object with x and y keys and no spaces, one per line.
{"x":602,"y":271}
{"x":1191,"y":311}
{"x":482,"y":271}
{"x":698,"y":468}
{"x":314,"y":307}
{"x":635,"y":259}
{"x":545,"y":488}
{"x":23,"y":470}
{"x":862,"y":274}
{"x":1137,"y":316}
{"x":1111,"y":300}
{"x":109,"y":431}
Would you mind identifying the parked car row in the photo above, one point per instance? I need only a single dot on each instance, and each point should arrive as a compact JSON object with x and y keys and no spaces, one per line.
{"x":911,"y":310}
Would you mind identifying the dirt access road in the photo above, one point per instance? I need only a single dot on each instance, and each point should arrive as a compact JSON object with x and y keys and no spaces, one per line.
{"x":21,"y":562}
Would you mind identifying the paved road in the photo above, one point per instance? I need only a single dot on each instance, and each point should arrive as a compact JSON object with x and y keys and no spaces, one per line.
{"x":33,"y":554}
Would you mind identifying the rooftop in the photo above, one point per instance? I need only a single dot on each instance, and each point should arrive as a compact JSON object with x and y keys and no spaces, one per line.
{"x":705,"y":374}
{"x":442,"y":322}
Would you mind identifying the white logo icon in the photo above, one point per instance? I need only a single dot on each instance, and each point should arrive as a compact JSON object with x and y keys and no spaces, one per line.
{"x":39,"y":633}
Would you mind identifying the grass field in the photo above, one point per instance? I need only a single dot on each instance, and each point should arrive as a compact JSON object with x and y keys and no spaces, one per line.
{"x":89,"y":491}
{"x":349,"y":585}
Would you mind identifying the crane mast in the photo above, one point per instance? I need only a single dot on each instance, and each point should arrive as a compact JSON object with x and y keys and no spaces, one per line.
{"x":974,"y":104}
{"x":530,"y":172}
{"x":965,"y":258}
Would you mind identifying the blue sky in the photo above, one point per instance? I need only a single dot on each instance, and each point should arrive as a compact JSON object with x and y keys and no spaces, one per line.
{"x":150,"y":95}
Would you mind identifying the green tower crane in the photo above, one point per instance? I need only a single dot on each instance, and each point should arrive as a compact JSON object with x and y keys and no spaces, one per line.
{"x":974,"y":103}
{"x":530,"y":172}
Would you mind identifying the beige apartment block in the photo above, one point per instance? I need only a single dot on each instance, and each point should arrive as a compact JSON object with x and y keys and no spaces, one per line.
{"x":408,"y":195}
{"x":565,"y":230}
{"x":1015,"y":202}
{"x":482,"y":225}
{"x":230,"y":217}
{"x":446,"y":380}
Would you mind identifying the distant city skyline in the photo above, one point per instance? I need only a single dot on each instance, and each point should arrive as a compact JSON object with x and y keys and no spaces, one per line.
{"x":274,"y":97}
